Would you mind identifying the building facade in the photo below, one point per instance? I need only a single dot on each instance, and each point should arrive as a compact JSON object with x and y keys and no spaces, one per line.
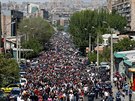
{"x":125,"y":8}
{"x":9,"y":23}
{"x":125,"y":64}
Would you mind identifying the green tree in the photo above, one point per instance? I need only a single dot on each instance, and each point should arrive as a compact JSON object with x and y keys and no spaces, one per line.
{"x":9,"y":70}
{"x":60,"y":28}
{"x":124,"y":44}
{"x":82,"y":23}
{"x":36,"y":28}
{"x":106,"y":54}
{"x":32,"y":44}
{"x":93,"y":57}
{"x":37,"y":31}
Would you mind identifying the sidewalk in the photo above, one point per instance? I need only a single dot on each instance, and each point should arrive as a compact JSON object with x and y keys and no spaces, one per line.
{"x":126,"y":97}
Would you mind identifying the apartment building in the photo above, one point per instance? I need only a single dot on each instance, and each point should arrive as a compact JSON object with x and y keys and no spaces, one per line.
{"x":9,"y":23}
{"x":126,"y":8}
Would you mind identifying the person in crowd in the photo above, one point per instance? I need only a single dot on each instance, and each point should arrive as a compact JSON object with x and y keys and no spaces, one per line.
{"x":110,"y":98}
{"x":118,"y":95}
{"x":91,"y":96}
{"x":59,"y":74}
{"x":130,"y":94}
{"x":126,"y":88}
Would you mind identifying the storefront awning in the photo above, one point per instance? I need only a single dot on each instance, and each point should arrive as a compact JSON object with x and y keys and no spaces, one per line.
{"x":118,"y":55}
{"x":128,"y":62}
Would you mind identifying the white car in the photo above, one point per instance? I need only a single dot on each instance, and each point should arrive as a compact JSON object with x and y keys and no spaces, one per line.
{"x":105,"y":64}
{"x":22,"y":74}
{"x":23,"y":81}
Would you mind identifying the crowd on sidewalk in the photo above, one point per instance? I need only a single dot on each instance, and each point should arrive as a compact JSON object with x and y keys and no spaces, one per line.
{"x":60,"y":74}
{"x":123,"y":87}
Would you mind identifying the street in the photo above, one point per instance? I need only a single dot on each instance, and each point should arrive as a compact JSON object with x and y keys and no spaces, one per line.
{"x":62,"y":74}
{"x":67,"y":50}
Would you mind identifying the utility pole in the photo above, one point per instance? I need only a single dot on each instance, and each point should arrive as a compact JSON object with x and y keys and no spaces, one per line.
{"x":5,"y":40}
{"x":5,"y":35}
{"x":111,"y":31}
{"x":111,"y":57}
{"x":90,"y":42}
{"x":97,"y":50}
{"x":17,"y":48}
{"x":109,"y":5}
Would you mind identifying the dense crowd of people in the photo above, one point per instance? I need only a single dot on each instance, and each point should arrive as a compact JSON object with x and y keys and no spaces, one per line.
{"x":60,"y":74}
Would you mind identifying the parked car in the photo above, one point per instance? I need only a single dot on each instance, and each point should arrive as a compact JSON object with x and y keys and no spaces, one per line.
{"x":23,"y":81}
{"x":92,"y":65}
{"x":23,"y":66}
{"x":22,"y":74}
{"x":10,"y":87}
{"x":2,"y":96}
{"x":105,"y":64}
{"x":102,"y":69}
{"x":15,"y":92}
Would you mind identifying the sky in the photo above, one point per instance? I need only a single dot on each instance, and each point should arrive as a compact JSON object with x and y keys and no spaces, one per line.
{"x":32,"y":0}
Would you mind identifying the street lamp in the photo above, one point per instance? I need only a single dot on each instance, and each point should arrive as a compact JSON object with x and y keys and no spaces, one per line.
{"x":111,"y":51}
{"x":18,"y":47}
{"x":26,"y":33}
{"x":97,"y":50}
{"x":5,"y":34}
{"x":27,"y":36}
{"x":32,"y":32}
{"x":90,"y":39}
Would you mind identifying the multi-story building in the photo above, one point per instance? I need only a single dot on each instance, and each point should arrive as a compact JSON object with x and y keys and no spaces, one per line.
{"x":9,"y":23}
{"x":126,"y":8}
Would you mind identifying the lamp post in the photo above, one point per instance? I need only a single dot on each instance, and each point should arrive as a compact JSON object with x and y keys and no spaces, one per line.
{"x":32,"y":32}
{"x":97,"y":50}
{"x":90,"y":42}
{"x":5,"y":34}
{"x":18,"y":47}
{"x":26,"y":33}
{"x":111,"y":57}
{"x":90,"y":39}
{"x":111,"y":50}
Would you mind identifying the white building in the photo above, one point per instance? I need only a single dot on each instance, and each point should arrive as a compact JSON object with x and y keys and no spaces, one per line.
{"x":126,"y":8}
{"x":33,"y":9}
{"x":106,"y":38}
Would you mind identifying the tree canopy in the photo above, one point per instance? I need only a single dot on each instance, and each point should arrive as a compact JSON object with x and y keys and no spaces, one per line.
{"x":124,"y":45}
{"x":37,"y":32}
{"x":9,"y":70}
{"x":36,"y":28}
{"x":84,"y":22}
